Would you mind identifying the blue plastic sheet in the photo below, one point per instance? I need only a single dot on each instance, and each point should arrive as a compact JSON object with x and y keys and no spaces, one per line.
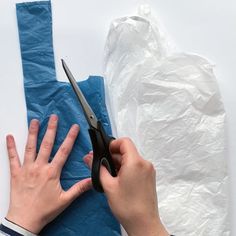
{"x":90,"y":213}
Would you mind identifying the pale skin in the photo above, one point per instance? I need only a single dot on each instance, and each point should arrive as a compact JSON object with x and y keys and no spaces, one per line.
{"x":36,"y":196}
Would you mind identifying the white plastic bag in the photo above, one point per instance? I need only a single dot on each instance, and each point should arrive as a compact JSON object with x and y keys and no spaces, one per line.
{"x":169,"y":104}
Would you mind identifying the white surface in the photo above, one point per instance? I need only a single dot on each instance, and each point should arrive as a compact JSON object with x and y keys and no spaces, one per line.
{"x":205,"y":27}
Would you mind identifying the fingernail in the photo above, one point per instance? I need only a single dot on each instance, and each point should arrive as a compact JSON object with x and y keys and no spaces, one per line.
{"x":86,"y":159}
{"x":75,"y":127}
{"x":34,"y":122}
{"x":54,"y":117}
{"x":91,"y":152}
{"x":9,"y":138}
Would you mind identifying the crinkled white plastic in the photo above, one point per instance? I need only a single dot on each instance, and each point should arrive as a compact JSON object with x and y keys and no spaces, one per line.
{"x":170,"y":105}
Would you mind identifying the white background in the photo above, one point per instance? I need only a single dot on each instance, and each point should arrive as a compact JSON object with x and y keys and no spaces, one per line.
{"x":205,"y":27}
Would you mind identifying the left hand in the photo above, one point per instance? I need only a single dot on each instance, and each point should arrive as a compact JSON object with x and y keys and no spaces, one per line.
{"x":36,"y":196}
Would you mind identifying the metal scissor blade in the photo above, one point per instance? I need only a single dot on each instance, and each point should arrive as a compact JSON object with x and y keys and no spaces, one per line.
{"x":88,"y":112}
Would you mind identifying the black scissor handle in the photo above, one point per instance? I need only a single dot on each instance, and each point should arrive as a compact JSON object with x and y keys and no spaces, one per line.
{"x":101,"y":155}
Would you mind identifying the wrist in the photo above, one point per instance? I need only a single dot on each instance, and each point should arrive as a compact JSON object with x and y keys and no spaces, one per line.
{"x":9,"y":228}
{"x":26,"y":222}
{"x":152,"y":227}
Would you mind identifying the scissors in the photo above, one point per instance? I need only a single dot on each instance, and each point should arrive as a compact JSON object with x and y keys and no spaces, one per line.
{"x":100,"y":140}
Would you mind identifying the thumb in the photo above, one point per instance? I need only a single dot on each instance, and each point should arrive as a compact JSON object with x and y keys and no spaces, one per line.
{"x":106,"y":179}
{"x":77,"y":189}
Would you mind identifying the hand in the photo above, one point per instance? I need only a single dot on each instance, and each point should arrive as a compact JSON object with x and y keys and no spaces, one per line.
{"x":132,"y":194}
{"x":36,"y":196}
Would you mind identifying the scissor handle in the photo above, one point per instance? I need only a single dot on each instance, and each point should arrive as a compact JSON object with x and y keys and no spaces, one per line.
{"x":101,"y":155}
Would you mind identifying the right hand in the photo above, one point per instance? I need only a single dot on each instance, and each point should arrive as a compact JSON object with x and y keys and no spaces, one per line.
{"x":132,"y":194}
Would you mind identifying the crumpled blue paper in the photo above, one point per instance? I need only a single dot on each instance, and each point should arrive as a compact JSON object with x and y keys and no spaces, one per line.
{"x":90,"y":213}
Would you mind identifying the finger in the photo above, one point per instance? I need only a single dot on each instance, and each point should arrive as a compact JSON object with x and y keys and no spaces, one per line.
{"x":77,"y":189}
{"x":30,"y":148}
{"x":88,"y":159}
{"x":48,"y":140}
{"x":106,"y":179}
{"x":125,"y":148}
{"x":122,"y":146}
{"x":117,"y":159}
{"x":65,"y":149}
{"x":12,"y":154}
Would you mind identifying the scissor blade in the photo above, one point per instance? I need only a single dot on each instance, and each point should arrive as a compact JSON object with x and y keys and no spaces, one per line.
{"x":89,"y":114}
